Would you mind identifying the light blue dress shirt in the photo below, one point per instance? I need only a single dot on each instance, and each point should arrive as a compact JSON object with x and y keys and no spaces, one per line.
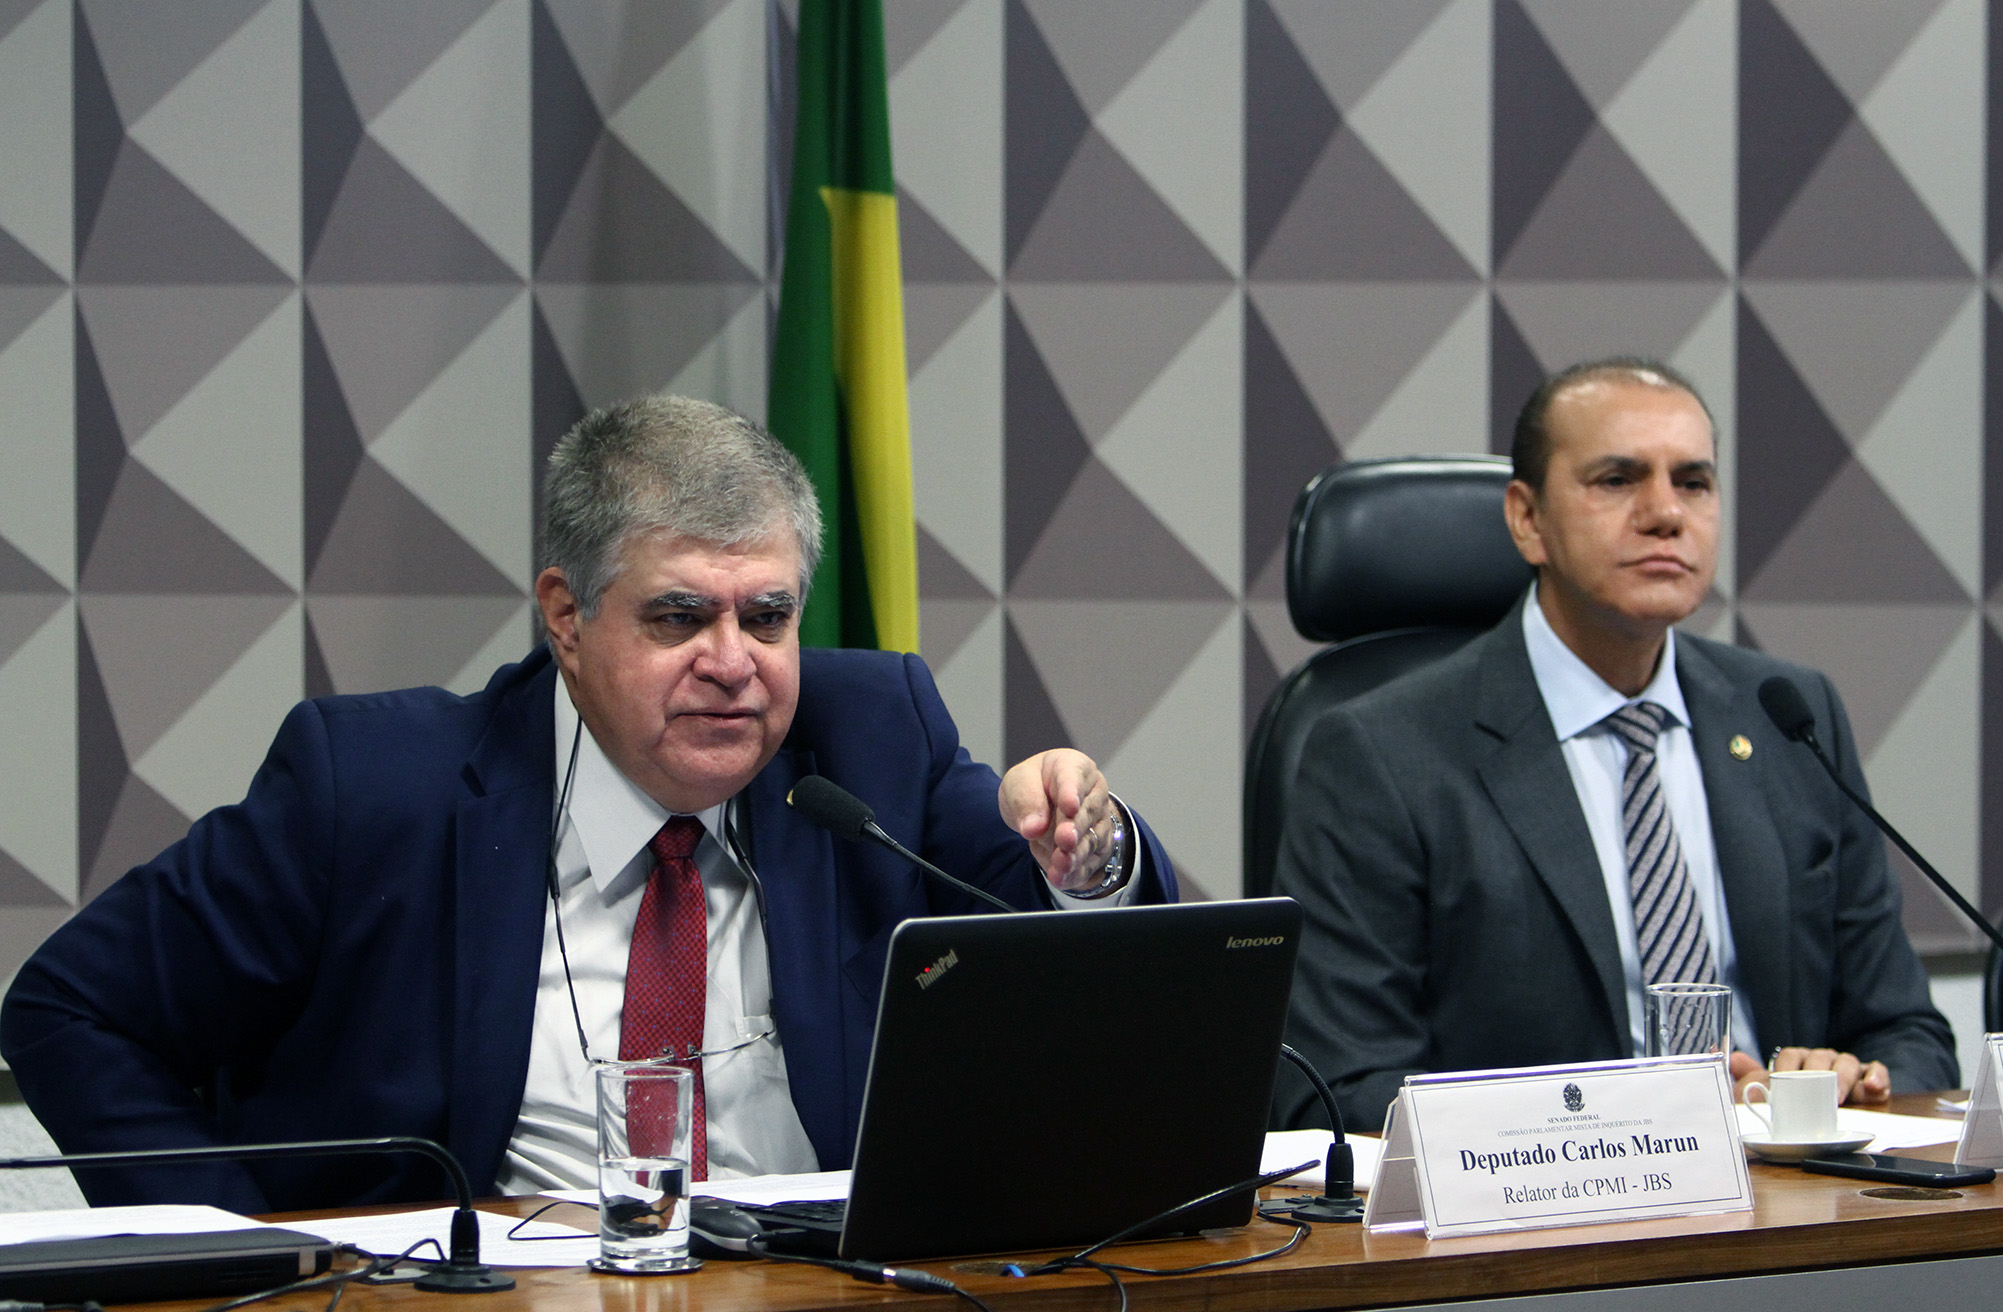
{"x":1578,"y":700}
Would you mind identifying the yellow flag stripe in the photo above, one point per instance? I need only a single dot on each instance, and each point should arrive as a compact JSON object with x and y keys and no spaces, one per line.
{"x":869,"y":368}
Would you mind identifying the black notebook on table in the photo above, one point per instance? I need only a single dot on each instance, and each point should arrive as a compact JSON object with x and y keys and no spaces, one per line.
{"x":1047,"y":1080}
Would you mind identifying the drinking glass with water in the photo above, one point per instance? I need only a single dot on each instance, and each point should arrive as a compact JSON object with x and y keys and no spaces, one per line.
{"x":644,"y":1115}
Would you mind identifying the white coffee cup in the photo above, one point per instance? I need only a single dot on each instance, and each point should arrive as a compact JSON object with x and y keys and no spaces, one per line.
{"x":1801,"y":1106}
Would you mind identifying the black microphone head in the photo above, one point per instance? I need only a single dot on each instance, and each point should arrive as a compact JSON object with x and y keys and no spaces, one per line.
{"x":830,"y":806}
{"x":1787,"y":708}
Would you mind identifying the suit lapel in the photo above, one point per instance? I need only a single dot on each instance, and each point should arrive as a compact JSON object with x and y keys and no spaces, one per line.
{"x":1752,"y":868}
{"x":1527,"y":779}
{"x":795,"y":861}
{"x":503,"y":845}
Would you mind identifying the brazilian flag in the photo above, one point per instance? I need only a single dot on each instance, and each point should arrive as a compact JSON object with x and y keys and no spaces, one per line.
{"x":837,"y":390}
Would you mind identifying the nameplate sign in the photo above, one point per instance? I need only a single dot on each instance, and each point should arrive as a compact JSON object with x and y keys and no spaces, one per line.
{"x":1483,"y":1151}
{"x":1982,"y":1128}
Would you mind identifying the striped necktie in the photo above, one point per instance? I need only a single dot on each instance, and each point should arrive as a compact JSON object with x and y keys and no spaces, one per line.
{"x":1668,"y":927}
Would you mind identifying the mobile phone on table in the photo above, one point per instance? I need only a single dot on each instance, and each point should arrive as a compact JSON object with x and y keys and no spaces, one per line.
{"x":1887,"y":1169}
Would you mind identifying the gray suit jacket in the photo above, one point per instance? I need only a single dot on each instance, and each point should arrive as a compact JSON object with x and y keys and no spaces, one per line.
{"x":1457,"y":918}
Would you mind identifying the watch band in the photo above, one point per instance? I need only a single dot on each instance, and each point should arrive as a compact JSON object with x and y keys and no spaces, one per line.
{"x":1114,"y":874}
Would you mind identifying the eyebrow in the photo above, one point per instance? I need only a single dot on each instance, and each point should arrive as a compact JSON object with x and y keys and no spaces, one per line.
{"x":1631,"y":465}
{"x":778,"y":599}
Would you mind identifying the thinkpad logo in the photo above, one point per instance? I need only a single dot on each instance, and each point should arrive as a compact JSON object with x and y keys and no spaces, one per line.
{"x":930,"y":975}
{"x":1270,"y":941}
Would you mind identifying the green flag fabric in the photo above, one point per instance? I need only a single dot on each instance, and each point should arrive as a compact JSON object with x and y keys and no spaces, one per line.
{"x":837,"y":382}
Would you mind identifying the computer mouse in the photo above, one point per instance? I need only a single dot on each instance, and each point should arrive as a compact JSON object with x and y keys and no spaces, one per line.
{"x":721,"y":1229}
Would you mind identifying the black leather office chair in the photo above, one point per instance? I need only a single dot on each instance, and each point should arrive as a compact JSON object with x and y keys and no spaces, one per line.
{"x":1397,"y":563}
{"x":1992,"y":998}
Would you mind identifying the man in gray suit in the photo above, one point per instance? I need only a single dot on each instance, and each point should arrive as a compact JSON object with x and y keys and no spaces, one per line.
{"x":1496,"y":853}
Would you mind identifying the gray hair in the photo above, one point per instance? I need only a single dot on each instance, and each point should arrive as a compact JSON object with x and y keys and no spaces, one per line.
{"x":690,"y":467}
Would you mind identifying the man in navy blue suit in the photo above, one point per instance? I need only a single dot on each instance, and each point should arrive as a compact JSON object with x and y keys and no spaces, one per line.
{"x":421,"y":918}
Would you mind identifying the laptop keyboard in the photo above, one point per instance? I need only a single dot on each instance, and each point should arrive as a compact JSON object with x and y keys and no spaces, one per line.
{"x":808,"y":1227}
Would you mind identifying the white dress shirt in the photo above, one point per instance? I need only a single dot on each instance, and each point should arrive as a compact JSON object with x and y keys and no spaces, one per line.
{"x":603,"y":864}
{"x":1578,"y":701}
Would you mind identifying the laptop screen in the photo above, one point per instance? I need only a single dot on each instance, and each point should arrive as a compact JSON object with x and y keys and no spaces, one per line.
{"x":1048,"y":1080}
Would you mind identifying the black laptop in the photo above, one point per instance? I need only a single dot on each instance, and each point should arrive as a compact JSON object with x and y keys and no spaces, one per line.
{"x":132,"y":1268}
{"x":1042,"y":1081}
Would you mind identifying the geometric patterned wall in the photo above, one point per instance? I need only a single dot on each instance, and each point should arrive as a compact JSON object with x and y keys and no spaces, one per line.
{"x":294,"y":293}
{"x":1783,"y":197}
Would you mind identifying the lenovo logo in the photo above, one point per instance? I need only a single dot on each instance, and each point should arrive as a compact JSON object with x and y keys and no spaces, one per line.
{"x":1270,"y":941}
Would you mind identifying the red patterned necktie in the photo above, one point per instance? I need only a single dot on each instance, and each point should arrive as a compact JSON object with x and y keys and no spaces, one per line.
{"x":667,"y":970}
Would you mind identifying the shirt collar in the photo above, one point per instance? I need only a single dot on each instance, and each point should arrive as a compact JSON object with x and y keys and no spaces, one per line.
{"x":610,"y":814}
{"x":1577,"y":698}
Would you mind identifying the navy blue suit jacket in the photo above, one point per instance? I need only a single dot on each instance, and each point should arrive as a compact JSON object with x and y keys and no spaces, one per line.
{"x":353,"y":949}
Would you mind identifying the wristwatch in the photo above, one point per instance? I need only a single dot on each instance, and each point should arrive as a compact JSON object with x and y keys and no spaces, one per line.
{"x":1114,"y":874}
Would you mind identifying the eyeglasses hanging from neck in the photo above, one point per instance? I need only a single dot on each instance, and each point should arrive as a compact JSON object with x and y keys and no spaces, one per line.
{"x":555,"y":883}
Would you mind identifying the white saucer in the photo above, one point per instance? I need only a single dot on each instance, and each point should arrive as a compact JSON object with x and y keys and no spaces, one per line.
{"x":1759,"y":1145}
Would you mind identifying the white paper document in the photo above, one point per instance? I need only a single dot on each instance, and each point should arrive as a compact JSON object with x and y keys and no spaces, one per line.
{"x":389,"y":1235}
{"x":1283,"y":1148}
{"x":813,"y":1186}
{"x":98,"y":1222}
{"x":1890,"y":1131}
{"x":1287,"y":1147}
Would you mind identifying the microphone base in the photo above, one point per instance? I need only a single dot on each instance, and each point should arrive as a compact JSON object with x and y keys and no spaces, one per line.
{"x":457,"y":1278}
{"x":1324,"y":1208}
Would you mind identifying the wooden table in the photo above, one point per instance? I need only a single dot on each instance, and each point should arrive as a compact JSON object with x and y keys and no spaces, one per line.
{"x":1800,"y":1223}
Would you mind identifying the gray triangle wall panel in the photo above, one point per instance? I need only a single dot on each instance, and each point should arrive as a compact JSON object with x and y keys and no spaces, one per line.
{"x":384,"y":540}
{"x":384,"y":226}
{"x":381,"y":49}
{"x":1104,"y":223}
{"x":20,"y":268}
{"x":1602,"y":218}
{"x":1792,"y":448}
{"x":331,"y":448}
{"x":1044,"y":123}
{"x":1288,"y":121}
{"x":1790,"y":112}
{"x":566,"y":124}
{"x":623,"y":225}
{"x":1856,"y":217}
{"x":148,"y":48}
{"x":1286,"y":442}
{"x":1045,"y":448}
{"x":929,"y":253}
{"x":151,"y":540}
{"x":1540,"y":119}
{"x":96,"y":132}
{"x":1351,"y":220}
{"x":151,"y":229}
{"x":330,"y":128}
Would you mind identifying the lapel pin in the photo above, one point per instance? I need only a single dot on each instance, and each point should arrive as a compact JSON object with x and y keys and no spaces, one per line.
{"x":1740,"y":747}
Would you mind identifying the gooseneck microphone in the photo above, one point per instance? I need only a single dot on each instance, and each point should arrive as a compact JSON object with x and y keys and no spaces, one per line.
{"x":1790,"y":714}
{"x":1337,"y":1200}
{"x":460,"y":1273}
{"x":842,"y":813}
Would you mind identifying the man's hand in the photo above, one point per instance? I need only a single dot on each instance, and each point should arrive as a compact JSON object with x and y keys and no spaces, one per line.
{"x":1859,"y":1083}
{"x":1058,"y":801}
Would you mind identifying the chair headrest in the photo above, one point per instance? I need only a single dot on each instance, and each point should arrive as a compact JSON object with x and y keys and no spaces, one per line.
{"x":1415,"y":541}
